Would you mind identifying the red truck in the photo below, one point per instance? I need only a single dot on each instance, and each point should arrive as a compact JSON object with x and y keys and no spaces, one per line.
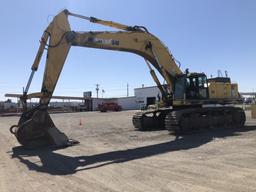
{"x":109,"y":107}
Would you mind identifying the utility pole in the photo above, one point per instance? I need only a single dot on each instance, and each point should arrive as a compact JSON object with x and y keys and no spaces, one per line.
{"x":97,"y":90}
{"x":127,"y":90}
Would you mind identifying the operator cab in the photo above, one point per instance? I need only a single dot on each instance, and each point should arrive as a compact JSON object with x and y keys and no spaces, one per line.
{"x":191,"y":86}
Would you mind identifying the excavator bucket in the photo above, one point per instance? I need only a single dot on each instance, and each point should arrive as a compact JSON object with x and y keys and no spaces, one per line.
{"x":36,"y":129}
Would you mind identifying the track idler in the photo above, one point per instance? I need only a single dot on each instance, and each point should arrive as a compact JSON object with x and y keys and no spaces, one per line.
{"x":36,"y":129}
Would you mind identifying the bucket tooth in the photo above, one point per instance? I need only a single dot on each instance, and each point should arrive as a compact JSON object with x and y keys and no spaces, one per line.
{"x":37,"y":129}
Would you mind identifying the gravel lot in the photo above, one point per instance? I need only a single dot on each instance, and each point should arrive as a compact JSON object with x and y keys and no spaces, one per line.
{"x":112,"y":156}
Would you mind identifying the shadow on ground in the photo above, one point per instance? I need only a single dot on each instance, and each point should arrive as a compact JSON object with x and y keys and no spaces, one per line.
{"x":59,"y":164}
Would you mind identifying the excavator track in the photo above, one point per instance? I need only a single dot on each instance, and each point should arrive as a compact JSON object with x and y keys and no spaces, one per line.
{"x":185,"y":121}
{"x":137,"y":121}
{"x":150,"y":120}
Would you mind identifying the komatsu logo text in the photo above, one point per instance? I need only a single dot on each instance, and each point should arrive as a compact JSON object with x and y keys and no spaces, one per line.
{"x":103,"y":41}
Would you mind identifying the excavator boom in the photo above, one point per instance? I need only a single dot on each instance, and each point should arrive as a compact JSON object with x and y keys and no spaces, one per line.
{"x":137,"y":41}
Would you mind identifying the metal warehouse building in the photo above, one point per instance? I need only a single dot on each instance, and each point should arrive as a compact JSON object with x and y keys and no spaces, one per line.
{"x":147,"y":96}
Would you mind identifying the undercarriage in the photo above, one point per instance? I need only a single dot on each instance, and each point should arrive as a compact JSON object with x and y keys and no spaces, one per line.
{"x":188,"y":120}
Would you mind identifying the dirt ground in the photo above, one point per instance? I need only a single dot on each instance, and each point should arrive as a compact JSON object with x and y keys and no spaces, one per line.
{"x":112,"y":156}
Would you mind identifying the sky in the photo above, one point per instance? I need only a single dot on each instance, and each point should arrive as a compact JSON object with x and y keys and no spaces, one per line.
{"x":204,"y":35}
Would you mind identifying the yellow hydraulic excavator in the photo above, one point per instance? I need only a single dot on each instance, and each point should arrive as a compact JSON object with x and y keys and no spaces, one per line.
{"x":189,"y":100}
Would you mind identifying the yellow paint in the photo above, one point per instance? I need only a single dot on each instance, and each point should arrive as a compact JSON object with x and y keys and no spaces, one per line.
{"x":221,"y":90}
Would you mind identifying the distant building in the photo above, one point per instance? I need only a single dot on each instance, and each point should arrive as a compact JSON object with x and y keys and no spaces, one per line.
{"x":143,"y":97}
{"x":147,"y":95}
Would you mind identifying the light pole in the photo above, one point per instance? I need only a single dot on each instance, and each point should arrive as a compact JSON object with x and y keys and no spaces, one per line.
{"x":97,"y":90}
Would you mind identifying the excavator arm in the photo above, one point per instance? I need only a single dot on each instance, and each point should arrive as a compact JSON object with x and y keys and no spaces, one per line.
{"x":58,"y":39}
